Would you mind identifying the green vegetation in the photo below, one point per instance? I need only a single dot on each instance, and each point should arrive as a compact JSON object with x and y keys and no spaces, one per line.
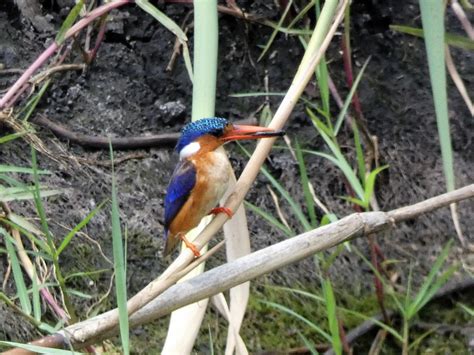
{"x":312,"y":316}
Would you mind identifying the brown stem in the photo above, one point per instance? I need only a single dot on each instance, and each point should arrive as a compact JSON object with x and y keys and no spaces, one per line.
{"x":118,"y":143}
{"x":379,"y":290}
{"x":160,"y":140}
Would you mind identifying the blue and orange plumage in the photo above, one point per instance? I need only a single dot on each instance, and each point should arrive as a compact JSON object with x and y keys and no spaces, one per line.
{"x":201,"y":177}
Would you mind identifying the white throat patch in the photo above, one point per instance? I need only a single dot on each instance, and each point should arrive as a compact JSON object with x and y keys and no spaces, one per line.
{"x":188,"y":150}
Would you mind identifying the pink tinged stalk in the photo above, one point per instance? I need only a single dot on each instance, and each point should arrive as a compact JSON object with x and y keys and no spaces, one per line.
{"x":54,"y":46}
{"x":53,"y":304}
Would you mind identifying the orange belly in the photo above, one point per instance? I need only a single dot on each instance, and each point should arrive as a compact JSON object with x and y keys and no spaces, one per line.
{"x":212,"y":178}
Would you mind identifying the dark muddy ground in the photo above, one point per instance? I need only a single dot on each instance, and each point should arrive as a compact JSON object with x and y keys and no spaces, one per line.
{"x":128,"y":92}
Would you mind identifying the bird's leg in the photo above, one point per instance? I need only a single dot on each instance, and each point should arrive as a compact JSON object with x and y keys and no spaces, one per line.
{"x":190,"y":245}
{"x":225,"y":210}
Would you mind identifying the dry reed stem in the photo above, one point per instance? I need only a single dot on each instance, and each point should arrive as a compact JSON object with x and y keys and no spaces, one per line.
{"x":256,"y":264}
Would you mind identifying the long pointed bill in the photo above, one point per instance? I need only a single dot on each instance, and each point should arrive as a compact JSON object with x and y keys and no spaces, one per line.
{"x":240,"y":132}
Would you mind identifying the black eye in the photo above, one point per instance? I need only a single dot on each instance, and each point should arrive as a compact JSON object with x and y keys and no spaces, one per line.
{"x":217,"y":132}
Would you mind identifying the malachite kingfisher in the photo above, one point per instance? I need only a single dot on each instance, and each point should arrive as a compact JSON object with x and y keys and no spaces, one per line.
{"x":202,"y":175}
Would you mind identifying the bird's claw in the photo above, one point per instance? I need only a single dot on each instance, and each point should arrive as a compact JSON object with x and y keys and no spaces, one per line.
{"x":191,"y":246}
{"x":225,"y":210}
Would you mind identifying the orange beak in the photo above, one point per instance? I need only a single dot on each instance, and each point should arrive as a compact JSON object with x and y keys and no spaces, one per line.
{"x":239,"y":132}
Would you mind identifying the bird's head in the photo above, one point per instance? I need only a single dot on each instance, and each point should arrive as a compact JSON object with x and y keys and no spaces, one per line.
{"x":207,"y":134}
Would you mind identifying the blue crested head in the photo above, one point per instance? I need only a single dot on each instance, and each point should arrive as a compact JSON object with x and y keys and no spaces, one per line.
{"x":192,"y":131}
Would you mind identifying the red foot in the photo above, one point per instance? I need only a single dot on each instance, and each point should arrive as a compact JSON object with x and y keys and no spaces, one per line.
{"x":191,"y":246}
{"x":225,"y":210}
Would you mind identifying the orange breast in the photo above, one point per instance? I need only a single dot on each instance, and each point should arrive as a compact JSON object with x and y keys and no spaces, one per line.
{"x":212,"y":178}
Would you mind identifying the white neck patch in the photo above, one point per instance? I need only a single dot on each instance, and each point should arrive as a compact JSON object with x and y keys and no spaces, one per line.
{"x":188,"y":150}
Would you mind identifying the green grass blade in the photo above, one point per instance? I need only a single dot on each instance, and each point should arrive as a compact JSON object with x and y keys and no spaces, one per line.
{"x":26,"y":230}
{"x":370,"y":183}
{"x":36,"y":298}
{"x":415,"y":343}
{"x":468,"y":310}
{"x":382,"y":325}
{"x":310,"y":205}
{"x":285,"y":194}
{"x":270,"y":219}
{"x":18,"y":169}
{"x":332,"y":316}
{"x":69,"y":21}
{"x":256,"y":94}
{"x":328,"y":218}
{"x":319,"y":33}
{"x":79,"y":294}
{"x":439,"y":282}
{"x":172,"y":27}
{"x":430,"y":278}
{"x":10,"y":181}
{"x":29,"y":193}
{"x":348,"y":311}
{"x":310,"y":324}
{"x":320,"y":126}
{"x":211,"y":341}
{"x":301,"y":14}
{"x":296,"y":209}
{"x":409,"y":284}
{"x":300,"y":292}
{"x":432,"y":283}
{"x":33,"y":102}
{"x":24,"y":223}
{"x":355,"y":201}
{"x":39,"y":205}
{"x":322,"y":73}
{"x":432,"y":16}
{"x":346,"y":169}
{"x":17,"y":273}
{"x":393,"y":295}
{"x":450,"y":38}
{"x":348,"y":100}
{"x":10,"y":137}
{"x":86,"y":273}
{"x":276,"y":30}
{"x":308,"y":344}
{"x":39,"y":349}
{"x":329,"y":260}
{"x":67,"y":239}
{"x":339,"y":158}
{"x":322,"y":76}
{"x":119,"y":266}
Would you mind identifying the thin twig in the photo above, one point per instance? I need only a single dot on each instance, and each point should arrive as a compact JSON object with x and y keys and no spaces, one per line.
{"x":177,"y":43}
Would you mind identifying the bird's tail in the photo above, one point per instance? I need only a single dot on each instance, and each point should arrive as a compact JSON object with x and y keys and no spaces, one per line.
{"x":171,"y":242}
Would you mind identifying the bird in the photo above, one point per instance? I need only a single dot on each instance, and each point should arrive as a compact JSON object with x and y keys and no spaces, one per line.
{"x":202,"y":175}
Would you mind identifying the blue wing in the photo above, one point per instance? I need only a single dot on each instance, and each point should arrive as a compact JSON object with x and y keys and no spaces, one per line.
{"x":181,"y":184}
